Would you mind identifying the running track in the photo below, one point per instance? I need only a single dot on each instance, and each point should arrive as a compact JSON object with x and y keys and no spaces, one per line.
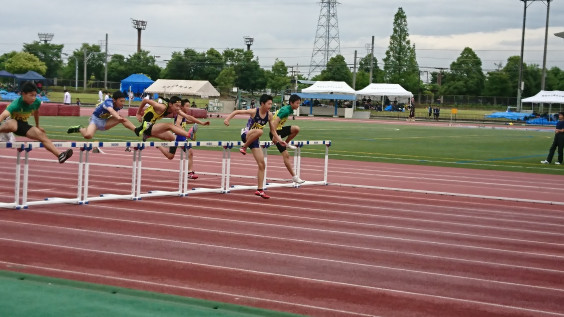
{"x":381,"y":240}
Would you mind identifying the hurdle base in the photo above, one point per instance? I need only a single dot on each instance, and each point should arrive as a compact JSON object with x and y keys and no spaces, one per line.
{"x":9,"y":205}
{"x":108,"y":197}
{"x":160,"y":193}
{"x":53,"y":200}
{"x":198,"y":190}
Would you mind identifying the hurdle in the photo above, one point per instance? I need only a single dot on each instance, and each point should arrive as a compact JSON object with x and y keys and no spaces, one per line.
{"x":297,"y":166}
{"x":183,"y":190}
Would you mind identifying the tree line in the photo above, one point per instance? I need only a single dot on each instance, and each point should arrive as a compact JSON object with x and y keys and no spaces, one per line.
{"x":240,"y":68}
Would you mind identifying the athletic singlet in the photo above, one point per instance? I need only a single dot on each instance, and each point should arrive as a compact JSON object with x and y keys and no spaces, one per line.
{"x":151,"y":116}
{"x":183,"y":125}
{"x":255,"y":122}
{"x":101,"y":110}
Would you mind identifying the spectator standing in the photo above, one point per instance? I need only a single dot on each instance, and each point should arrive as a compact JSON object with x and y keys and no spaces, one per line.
{"x":411,"y":108}
{"x":100,"y":96}
{"x":67,"y":98}
{"x":558,"y":142}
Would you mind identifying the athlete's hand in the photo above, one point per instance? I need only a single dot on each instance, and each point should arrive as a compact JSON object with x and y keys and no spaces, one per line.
{"x":226,"y":122}
{"x":206,"y":123}
{"x":139,"y":117}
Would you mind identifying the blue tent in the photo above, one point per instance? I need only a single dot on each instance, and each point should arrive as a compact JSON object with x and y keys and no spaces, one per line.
{"x":137,"y":82}
{"x":4,"y":73}
{"x":31,"y":75}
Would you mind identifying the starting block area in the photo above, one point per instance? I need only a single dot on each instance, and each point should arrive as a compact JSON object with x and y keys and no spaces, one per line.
{"x":83,"y":151}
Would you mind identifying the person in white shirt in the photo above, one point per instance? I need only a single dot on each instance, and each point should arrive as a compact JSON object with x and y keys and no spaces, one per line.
{"x":100,"y":95}
{"x":67,"y":98}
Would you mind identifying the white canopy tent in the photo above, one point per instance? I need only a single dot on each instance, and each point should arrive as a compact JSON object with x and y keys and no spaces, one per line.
{"x":329,"y":87}
{"x":201,"y":88}
{"x":390,"y":90}
{"x":547,"y":96}
{"x":331,"y":90}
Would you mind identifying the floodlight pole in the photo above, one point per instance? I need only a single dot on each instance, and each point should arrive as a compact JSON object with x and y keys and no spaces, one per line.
{"x":249,"y":41}
{"x":139,"y":25}
{"x":45,"y":37}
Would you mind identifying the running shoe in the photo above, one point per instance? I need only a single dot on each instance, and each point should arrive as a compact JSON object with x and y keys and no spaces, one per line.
{"x":557,"y":163}
{"x":297,"y":179}
{"x":148,"y":129}
{"x":140,"y":129}
{"x":262,"y":194}
{"x":192,"y":175}
{"x":192,"y":132}
{"x":291,"y":147}
{"x":65,"y":155}
{"x":545,"y":162}
{"x":243,"y":150}
{"x":74,"y":129}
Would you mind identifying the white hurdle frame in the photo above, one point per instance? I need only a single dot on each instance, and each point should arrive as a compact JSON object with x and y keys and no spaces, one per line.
{"x":82,"y":197}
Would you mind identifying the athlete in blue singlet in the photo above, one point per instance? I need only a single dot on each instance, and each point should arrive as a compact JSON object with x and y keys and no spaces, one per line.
{"x":105,"y":116}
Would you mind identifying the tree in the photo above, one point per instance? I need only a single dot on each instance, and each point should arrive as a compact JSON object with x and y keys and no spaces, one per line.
{"x":117,"y":68}
{"x":555,"y":79}
{"x":400,"y":63}
{"x":23,"y":62}
{"x":336,"y":70}
{"x":364,"y":66}
{"x":48,"y":53}
{"x":175,"y":67}
{"x":277,"y":78}
{"x":466,"y":76}
{"x":4,"y":57}
{"x":362,"y":80}
{"x":213,"y":64}
{"x":250,"y":76}
{"x":143,"y":63}
{"x":226,"y":79}
{"x":498,"y":83}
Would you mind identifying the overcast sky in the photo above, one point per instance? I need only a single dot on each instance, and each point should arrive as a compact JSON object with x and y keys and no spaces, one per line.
{"x":285,"y":29}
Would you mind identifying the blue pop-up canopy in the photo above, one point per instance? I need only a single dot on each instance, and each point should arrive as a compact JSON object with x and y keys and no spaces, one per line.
{"x":137,"y":82}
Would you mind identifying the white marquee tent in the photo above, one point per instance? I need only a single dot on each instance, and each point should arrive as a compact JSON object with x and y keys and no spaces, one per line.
{"x":328,"y":87}
{"x":201,"y":88}
{"x":390,"y":90}
{"x":546,"y":96}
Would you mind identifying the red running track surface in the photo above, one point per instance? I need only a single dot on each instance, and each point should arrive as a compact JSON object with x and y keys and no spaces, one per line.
{"x":381,"y":240}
